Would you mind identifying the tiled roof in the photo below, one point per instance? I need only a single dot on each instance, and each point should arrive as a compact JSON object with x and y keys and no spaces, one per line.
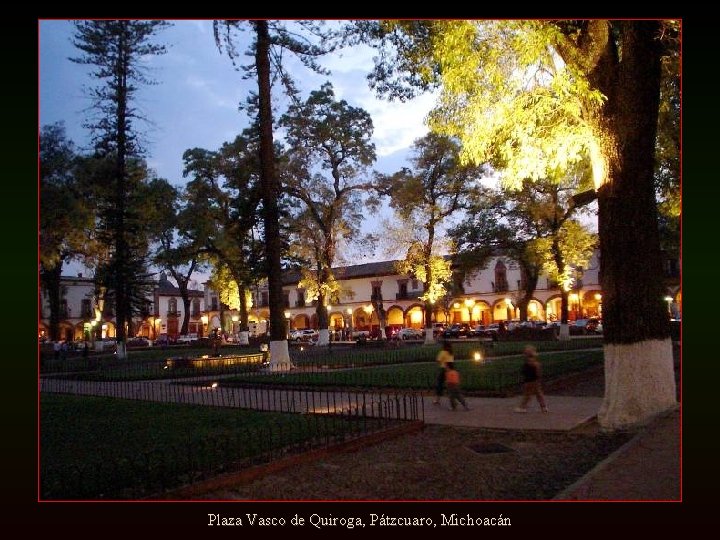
{"x":383,"y":268}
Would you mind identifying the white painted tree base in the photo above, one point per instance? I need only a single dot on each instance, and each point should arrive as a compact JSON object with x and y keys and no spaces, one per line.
{"x":121,"y":350}
{"x":323,"y":337}
{"x":564,"y":332}
{"x":429,"y":337}
{"x":279,"y":356}
{"x":639,"y":383}
{"x":244,"y":338}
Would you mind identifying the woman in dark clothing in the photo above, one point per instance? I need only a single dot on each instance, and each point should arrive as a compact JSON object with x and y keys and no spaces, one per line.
{"x":532,"y":376}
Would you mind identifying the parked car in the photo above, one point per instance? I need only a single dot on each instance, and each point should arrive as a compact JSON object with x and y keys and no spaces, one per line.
{"x":409,"y":333}
{"x":164,"y":339}
{"x":188,"y":338}
{"x":585,"y":326}
{"x":477,"y":331}
{"x":457,"y":331}
{"x":138,"y":342}
{"x":306,"y":334}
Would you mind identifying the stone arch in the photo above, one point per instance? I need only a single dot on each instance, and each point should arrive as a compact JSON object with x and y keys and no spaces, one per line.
{"x":536,"y":310}
{"x":301,"y":321}
{"x":336,"y":320}
{"x":415,"y":316}
{"x":591,"y":302}
{"x":395,"y":316}
{"x":552,"y":308}
{"x":107,"y":329}
{"x":66,"y":331}
{"x":482,"y":312}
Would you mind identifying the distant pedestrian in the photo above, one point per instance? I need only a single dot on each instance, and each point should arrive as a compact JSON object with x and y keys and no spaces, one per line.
{"x":86,"y":350}
{"x":443,"y":358}
{"x":532,"y":381}
{"x":63,"y":351}
{"x":56,"y":350}
{"x":452,"y":382}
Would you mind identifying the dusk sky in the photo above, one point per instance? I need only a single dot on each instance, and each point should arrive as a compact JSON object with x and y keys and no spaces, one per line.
{"x":195,"y":103}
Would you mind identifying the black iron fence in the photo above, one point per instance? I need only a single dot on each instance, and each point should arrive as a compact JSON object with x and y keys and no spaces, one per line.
{"x":331,"y":418}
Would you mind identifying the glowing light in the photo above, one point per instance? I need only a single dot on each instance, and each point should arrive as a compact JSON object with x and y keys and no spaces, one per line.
{"x":204,"y":319}
{"x":368,"y":309}
{"x":348,"y":311}
{"x":508,"y":302}
{"x":456,"y":305}
{"x":205,"y":356}
{"x":668,"y":299}
{"x":235,"y":318}
{"x":287,"y":314}
{"x":477,"y":356}
{"x":469,"y":303}
{"x":214,"y":385}
{"x":416,"y":316}
{"x":598,"y":296}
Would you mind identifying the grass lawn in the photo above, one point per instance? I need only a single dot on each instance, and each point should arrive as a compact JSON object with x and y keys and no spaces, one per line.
{"x":146,"y":365}
{"x":111,"y":448}
{"x":495,"y":376}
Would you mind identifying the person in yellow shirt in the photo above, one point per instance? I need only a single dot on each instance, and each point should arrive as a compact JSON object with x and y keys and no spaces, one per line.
{"x":444,"y":356}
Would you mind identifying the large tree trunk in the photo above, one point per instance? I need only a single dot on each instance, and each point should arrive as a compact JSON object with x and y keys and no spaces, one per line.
{"x":639,"y":375}
{"x":279,"y":355}
{"x":121,"y":255}
{"x":243,"y":334}
{"x":51,"y":283}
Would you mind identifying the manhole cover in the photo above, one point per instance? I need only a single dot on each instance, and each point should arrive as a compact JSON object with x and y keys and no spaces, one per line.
{"x":490,"y":448}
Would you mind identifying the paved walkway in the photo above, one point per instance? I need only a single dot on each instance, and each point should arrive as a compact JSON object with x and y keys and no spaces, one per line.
{"x":566,"y":413}
{"x":647,"y":468}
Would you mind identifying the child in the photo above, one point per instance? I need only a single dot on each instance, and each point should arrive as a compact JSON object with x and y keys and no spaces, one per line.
{"x":452,"y":381}
{"x":532,"y":375}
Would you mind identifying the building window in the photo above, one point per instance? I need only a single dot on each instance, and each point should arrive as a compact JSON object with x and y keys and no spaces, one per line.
{"x":402,"y":291}
{"x":214,"y":303}
{"x":86,"y":311}
{"x":415,"y":284}
{"x":501,"y":283}
{"x":300,"y":298}
{"x":286,"y":299}
{"x":264,"y":299}
{"x":63,"y":308}
{"x":376,"y":292}
{"x":196,"y":308}
{"x":172,"y":306}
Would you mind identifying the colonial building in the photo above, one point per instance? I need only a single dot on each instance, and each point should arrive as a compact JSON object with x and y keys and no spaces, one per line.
{"x":483,"y":297}
{"x":83,"y":313}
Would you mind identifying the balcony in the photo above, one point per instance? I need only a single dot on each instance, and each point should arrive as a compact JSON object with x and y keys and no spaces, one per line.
{"x":412,"y":295}
{"x":173,"y":313}
{"x":300,"y":303}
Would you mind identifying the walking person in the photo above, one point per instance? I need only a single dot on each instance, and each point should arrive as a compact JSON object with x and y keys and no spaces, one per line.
{"x":532,"y":377}
{"x":452,"y":382}
{"x":443,"y":358}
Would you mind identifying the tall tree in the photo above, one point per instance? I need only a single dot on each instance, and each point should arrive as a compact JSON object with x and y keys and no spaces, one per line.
{"x":223,"y":213}
{"x":270,"y":39}
{"x":537,"y":95}
{"x":116,"y":49}
{"x":177,"y":251}
{"x":330,"y":154}
{"x":423,"y":200}
{"x":66,"y":215}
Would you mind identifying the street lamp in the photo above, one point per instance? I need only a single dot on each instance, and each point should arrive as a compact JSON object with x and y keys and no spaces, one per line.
{"x":469,"y":304}
{"x":669,"y":300}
